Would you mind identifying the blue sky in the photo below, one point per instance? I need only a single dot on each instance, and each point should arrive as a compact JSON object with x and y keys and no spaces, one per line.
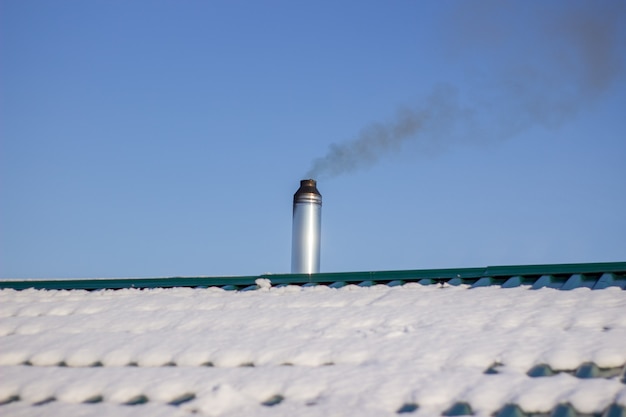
{"x":161,"y":138}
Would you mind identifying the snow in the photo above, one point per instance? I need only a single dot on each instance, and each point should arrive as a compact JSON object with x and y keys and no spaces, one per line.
{"x":283,"y":351}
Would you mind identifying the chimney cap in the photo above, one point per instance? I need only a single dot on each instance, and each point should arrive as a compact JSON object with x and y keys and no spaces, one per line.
{"x":308,"y":186}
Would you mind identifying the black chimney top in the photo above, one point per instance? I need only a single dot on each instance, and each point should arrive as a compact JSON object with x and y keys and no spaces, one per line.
{"x":307,"y":187}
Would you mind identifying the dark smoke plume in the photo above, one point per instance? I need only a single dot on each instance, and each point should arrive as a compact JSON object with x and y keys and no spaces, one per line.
{"x":558,"y":66}
{"x":440,"y":109}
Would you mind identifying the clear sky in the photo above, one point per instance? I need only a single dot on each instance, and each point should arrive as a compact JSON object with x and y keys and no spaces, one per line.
{"x":162,"y":138}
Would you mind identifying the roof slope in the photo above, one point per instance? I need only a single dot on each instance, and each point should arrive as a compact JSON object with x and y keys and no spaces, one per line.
{"x":423,"y":350}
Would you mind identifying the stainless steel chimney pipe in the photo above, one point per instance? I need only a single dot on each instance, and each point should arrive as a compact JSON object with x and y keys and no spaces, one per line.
{"x":306,"y":231}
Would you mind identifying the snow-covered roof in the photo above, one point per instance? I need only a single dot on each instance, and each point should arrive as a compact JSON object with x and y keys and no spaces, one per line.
{"x":423,"y":350}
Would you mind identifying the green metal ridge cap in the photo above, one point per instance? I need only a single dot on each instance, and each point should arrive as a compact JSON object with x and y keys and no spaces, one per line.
{"x":360,"y":276}
{"x":449,"y":273}
{"x":470,"y":274}
{"x":555,"y":269}
{"x":121,"y":283}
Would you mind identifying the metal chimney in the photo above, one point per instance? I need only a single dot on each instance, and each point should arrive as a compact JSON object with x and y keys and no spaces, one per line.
{"x":307,"y":224}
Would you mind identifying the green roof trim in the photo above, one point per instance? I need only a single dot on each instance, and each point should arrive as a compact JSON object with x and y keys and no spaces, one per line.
{"x":561,"y":276}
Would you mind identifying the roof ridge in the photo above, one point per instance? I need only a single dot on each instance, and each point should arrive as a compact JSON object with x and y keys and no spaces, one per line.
{"x":562,"y":276}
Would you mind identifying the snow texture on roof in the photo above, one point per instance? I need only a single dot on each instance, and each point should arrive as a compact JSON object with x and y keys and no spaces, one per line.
{"x":311,"y":351}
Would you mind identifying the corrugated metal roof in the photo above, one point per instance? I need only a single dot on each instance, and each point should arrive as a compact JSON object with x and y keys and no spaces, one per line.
{"x":558,"y":276}
{"x":456,"y":346}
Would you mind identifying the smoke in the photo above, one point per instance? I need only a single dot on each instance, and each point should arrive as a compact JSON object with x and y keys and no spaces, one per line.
{"x":550,"y":64}
{"x":440,"y":110}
